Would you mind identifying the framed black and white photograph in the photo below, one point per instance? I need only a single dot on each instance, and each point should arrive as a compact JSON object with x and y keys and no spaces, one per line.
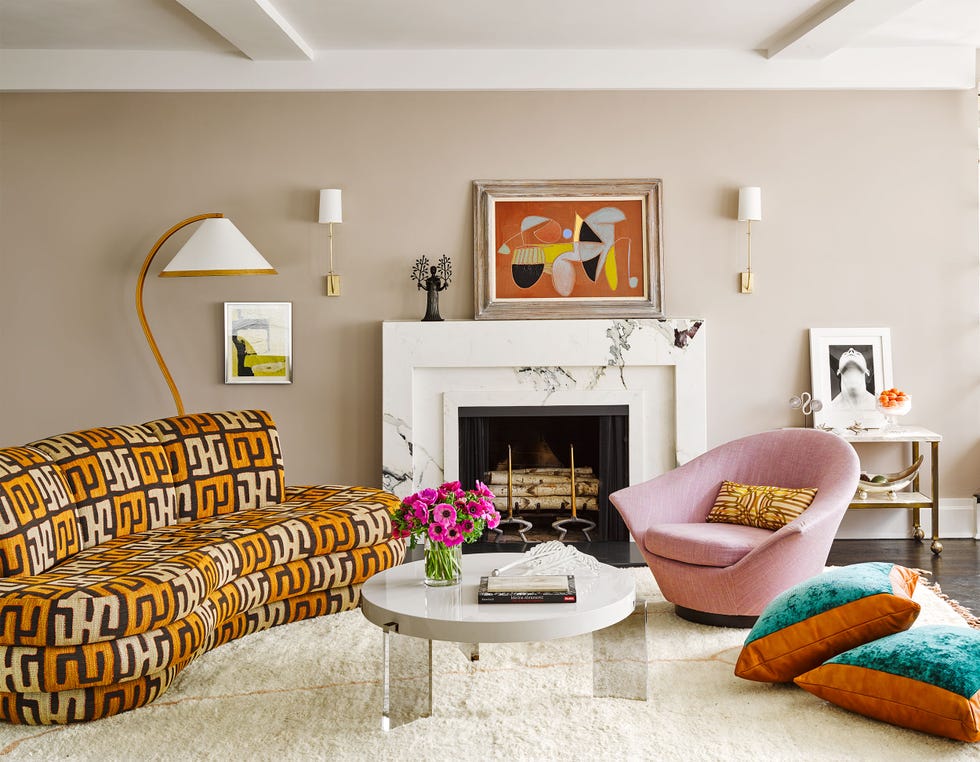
{"x":258,"y":343}
{"x":849,"y":368}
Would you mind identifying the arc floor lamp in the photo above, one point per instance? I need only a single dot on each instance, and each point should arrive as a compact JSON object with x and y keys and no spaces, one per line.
{"x":217,"y":247}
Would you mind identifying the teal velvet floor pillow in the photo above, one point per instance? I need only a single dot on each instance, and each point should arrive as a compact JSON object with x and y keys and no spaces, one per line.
{"x":826,"y":615}
{"x":927,"y":679}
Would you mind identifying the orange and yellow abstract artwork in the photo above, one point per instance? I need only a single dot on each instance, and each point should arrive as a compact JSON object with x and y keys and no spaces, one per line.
{"x":569,"y":248}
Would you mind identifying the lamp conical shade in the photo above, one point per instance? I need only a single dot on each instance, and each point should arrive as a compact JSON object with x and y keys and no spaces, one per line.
{"x":217,"y":247}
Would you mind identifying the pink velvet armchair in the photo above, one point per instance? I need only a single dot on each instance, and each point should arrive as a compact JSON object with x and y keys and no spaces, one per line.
{"x":725,"y":574}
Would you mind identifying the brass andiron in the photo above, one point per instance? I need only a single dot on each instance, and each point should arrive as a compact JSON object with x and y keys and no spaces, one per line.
{"x":573,"y":519}
{"x":522,"y":524}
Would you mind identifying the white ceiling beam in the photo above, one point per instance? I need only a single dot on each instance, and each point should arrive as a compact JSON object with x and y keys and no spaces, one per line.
{"x":255,"y":27}
{"x":949,"y":68}
{"x":835,"y":26}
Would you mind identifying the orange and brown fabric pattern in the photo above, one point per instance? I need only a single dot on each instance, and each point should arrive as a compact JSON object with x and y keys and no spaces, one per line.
{"x":222,"y":462}
{"x":139,"y":582}
{"x":128,"y":551}
{"x":105,"y":631}
{"x":37,"y":517}
{"x":118,"y":478}
{"x":95,"y":702}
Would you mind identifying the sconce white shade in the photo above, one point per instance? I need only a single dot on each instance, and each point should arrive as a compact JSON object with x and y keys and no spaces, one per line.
{"x":331,"y":209}
{"x":749,"y":204}
{"x":217,"y":247}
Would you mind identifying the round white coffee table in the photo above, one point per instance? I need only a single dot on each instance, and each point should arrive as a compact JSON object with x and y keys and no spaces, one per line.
{"x":400,"y":603}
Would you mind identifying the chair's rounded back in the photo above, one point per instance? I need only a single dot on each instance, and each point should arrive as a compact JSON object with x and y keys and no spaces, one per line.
{"x":787,"y":458}
{"x":781,"y":458}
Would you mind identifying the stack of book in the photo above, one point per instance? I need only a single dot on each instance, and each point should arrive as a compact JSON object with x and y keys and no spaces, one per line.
{"x":532,"y":588}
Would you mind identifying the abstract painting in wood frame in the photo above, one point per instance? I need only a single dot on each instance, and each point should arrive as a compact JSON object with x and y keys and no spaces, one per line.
{"x":568,"y":248}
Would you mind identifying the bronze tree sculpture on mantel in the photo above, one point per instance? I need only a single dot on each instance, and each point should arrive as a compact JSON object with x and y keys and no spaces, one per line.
{"x":433,"y":279}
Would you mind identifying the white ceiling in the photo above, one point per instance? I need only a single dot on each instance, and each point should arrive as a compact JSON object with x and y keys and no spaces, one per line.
{"x":476,"y":44}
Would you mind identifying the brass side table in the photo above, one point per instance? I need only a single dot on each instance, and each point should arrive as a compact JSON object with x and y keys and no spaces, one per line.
{"x":911,"y":497}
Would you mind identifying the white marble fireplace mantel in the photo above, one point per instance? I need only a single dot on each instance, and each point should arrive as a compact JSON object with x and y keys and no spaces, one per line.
{"x":656,"y":367}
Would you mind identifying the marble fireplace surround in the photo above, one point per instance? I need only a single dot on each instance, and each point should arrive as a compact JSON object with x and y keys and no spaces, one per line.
{"x":655,"y":367}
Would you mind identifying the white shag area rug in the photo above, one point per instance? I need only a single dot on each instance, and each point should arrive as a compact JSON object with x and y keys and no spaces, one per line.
{"x":311,"y":690}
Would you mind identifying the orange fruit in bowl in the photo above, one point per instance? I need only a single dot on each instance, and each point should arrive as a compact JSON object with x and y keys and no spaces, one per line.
{"x":893,"y":399}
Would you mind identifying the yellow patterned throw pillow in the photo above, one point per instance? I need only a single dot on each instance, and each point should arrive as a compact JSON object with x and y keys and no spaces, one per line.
{"x":755,"y":506}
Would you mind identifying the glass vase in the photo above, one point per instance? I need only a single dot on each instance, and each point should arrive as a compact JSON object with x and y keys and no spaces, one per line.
{"x":443,"y":565}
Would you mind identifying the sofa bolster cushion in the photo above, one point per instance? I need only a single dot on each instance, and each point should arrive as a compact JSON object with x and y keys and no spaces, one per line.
{"x":38,"y":528}
{"x":144,"y":581}
{"x":222,"y":462}
{"x":97,"y":701}
{"x":33,"y":669}
{"x":84,"y":704}
{"x":718,"y":545}
{"x":118,"y":477}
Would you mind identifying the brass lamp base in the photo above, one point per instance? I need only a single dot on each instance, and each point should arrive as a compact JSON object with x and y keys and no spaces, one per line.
{"x":746,"y":281}
{"x":333,"y":285}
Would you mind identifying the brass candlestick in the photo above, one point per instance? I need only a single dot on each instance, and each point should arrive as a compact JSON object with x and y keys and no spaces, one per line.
{"x":522,"y":524}
{"x":573,"y":520}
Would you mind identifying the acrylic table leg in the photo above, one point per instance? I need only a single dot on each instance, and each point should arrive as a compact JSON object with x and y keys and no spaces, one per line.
{"x":407,"y":681}
{"x":619,"y":657}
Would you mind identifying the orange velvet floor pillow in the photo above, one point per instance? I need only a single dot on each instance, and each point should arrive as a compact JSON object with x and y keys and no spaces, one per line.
{"x":926,"y":679}
{"x":826,"y":616}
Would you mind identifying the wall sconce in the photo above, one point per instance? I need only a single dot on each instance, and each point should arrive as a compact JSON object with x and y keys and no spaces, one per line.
{"x":217,"y":247}
{"x":331,"y":211}
{"x":749,"y":210}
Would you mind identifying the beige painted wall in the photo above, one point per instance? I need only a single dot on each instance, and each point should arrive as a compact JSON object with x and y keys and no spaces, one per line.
{"x":870,"y":203}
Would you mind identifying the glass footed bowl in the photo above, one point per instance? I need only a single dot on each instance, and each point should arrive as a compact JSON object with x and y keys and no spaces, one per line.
{"x":893,"y":413}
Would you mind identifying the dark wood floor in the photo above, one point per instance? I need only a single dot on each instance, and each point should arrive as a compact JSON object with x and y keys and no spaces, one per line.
{"x":957,"y":570}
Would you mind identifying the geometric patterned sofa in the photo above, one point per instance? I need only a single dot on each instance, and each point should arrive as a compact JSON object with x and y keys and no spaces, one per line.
{"x":126,"y":552}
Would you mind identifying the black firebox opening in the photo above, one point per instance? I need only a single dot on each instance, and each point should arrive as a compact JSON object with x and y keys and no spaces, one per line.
{"x":539,"y":437}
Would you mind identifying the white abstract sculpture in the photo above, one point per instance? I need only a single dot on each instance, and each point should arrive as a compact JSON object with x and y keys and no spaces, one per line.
{"x":553,"y":558}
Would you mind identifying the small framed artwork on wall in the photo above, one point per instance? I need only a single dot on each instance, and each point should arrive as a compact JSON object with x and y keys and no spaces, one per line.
{"x":567,"y":248}
{"x":258,"y":343}
{"x":849,"y":368}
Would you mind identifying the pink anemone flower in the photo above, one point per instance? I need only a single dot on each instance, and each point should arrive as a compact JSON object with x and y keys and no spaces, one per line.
{"x":453,"y":536}
{"x":444,"y":513}
{"x":482,"y":489}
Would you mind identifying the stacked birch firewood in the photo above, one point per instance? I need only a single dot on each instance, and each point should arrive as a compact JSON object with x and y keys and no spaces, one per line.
{"x":545,"y":489}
